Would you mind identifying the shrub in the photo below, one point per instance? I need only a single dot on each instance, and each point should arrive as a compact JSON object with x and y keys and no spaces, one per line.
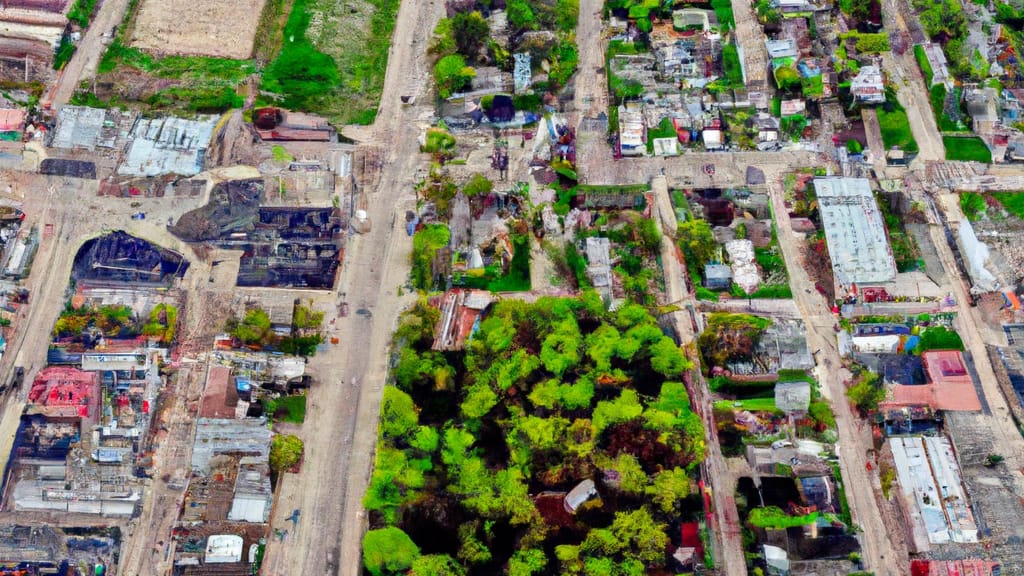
{"x":388,"y":551}
{"x":451,"y":74}
{"x":285,"y":452}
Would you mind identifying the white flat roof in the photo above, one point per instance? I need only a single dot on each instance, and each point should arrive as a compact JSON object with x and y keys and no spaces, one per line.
{"x":857,"y":242}
{"x":929,"y":477}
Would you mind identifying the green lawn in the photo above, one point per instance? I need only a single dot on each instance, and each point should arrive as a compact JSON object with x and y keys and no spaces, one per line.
{"x":970,"y":149}
{"x":723,"y":11}
{"x":751,"y":404}
{"x":1012,"y":201}
{"x":286,"y":408}
{"x":922,"y":61}
{"x":896,"y":130}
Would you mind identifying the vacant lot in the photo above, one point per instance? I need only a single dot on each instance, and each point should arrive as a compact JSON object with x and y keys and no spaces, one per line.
{"x":970,"y":149}
{"x":332,"y":58}
{"x":223,"y":28}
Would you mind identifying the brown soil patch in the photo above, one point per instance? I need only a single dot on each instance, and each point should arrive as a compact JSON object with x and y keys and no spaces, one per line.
{"x":222,"y":28}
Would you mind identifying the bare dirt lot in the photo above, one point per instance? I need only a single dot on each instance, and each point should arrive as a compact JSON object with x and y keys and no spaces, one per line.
{"x":201,"y":29}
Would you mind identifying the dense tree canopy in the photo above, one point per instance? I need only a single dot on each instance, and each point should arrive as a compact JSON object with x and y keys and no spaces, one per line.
{"x":545,"y":395}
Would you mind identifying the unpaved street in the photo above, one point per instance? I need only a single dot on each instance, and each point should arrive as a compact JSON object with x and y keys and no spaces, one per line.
{"x":885,"y":555}
{"x":341,"y":427}
{"x":89,"y":51}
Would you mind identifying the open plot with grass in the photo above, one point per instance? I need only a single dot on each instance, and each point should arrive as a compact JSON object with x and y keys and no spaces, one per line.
{"x":223,"y":28}
{"x":896,"y":129}
{"x":971,"y":149}
{"x":128,"y":75}
{"x":315,"y":72}
{"x":750,"y":404}
{"x":286,"y":408}
{"x":1012,"y":201}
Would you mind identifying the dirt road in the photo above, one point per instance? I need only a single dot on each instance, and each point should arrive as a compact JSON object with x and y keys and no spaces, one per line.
{"x":341,"y":427}
{"x":884,"y":551}
{"x":728,"y":538}
{"x":912,"y":90}
{"x":89,"y":51}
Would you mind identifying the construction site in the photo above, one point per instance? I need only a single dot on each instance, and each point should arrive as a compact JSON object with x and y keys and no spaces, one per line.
{"x":280,"y":247}
{"x":64,"y":551}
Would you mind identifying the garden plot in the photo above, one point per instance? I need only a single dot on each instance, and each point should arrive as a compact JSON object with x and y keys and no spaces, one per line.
{"x":221,"y":28}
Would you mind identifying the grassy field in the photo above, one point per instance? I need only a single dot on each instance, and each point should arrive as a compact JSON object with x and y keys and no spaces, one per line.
{"x":896,"y":130}
{"x":1012,"y":201}
{"x":315,"y":72}
{"x":287,"y":409}
{"x":970,"y":149}
{"x":190,"y":84}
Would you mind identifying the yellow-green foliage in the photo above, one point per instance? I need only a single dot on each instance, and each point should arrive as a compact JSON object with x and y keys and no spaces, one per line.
{"x":162,"y":322}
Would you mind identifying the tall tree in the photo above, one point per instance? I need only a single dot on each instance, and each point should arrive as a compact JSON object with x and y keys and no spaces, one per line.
{"x":470,"y":32}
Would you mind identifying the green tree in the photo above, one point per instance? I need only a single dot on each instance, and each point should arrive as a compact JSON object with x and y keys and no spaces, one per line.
{"x":395,"y":481}
{"x":698,"y":243}
{"x":668,"y":359}
{"x":647,"y":233}
{"x":787,"y":78}
{"x":285,"y":452}
{"x":470,"y":32}
{"x":568,"y":12}
{"x":623,"y":409}
{"x":426,"y":439}
{"x":866,"y":395}
{"x":479,"y":401}
{"x":388,"y":551}
{"x":527,"y":562}
{"x":632,"y":478}
{"x":398,"y":414}
{"x":425,"y":245}
{"x":471,"y":549}
{"x":436,"y":565}
{"x":669,"y":488}
{"x":254,"y":327}
{"x":478,"y":185}
{"x":520,"y":15}
{"x":451,"y":74}
{"x":939,"y":338}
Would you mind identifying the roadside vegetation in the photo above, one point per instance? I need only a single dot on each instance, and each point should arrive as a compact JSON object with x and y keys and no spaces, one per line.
{"x":1012,"y":201}
{"x":478,"y":448}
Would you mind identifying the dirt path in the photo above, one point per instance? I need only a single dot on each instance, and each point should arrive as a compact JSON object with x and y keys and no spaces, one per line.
{"x":341,"y":427}
{"x":883,"y":551}
{"x":726,"y":529}
{"x":88,"y":54}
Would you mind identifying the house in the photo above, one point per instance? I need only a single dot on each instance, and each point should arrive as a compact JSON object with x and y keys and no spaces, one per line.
{"x":792,"y":107}
{"x":767,"y":127}
{"x":940,"y":69}
{"x":579,"y":495}
{"x":713,"y":137}
{"x":598,"y":251}
{"x":868,"y":85}
{"x":275,"y":124}
{"x":717,"y":277}
{"x":793,"y":397}
{"x":793,"y":6}
{"x":631,"y":130}
{"x":982,"y":106}
{"x":785,"y":48}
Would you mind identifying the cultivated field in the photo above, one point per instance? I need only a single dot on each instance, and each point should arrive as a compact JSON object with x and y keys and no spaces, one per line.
{"x":222,"y":28}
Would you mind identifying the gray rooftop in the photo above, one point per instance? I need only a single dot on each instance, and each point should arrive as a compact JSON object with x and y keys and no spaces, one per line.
{"x":214,"y":436}
{"x":857,"y":243}
{"x":168,"y":145}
